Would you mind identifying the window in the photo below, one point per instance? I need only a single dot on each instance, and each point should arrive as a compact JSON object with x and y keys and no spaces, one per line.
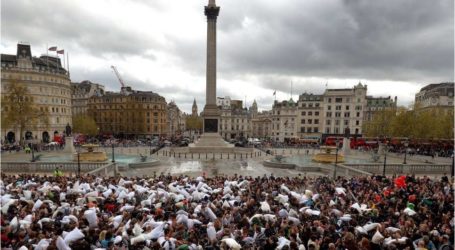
{"x":310,"y":121}
{"x":327,"y":122}
{"x":347,"y":107}
{"x":346,"y":122}
{"x":316,"y":121}
{"x":310,"y":113}
{"x":346,"y":114}
{"x":316,"y":113}
{"x":303,"y":113}
{"x":358,"y":114}
{"x":317,"y":105}
{"x":329,"y":107}
{"x":337,"y":114}
{"x":338,"y":99}
{"x":338,"y":107}
{"x":336,"y":130}
{"x":315,"y":130}
{"x":303,"y":105}
{"x":337,"y":122}
{"x":330,"y":100}
{"x":310,"y":105}
{"x":327,"y":130}
{"x":357,"y":122}
{"x":328,"y":114}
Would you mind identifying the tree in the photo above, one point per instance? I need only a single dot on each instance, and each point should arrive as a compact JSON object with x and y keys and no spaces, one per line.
{"x":428,"y":123}
{"x":194,"y":123}
{"x":379,"y":126}
{"x":85,"y":125}
{"x":19,"y":111}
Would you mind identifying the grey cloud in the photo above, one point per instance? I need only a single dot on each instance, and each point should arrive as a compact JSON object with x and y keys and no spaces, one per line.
{"x":399,"y":40}
{"x":63,"y":22}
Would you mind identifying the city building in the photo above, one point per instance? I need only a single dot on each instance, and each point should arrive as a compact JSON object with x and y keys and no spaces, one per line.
{"x":81,"y":92}
{"x":49,"y":85}
{"x":378,"y":104}
{"x":310,"y":116}
{"x":175,"y":120}
{"x":223,"y":101}
{"x":436,"y":95}
{"x":262,"y":125}
{"x":130,"y":113}
{"x":284,"y":124}
{"x":343,"y":111}
{"x":235,"y":120}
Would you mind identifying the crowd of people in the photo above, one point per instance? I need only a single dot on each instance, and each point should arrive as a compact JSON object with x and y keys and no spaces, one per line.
{"x":236,"y":212}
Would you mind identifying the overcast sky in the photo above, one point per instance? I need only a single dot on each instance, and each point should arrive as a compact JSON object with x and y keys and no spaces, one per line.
{"x":393,"y":46}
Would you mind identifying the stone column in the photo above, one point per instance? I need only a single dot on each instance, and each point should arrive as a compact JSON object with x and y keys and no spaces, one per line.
{"x":211,"y":113}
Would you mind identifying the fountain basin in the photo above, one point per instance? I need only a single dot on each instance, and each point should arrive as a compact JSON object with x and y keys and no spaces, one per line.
{"x":328,"y":158}
{"x":91,"y":155}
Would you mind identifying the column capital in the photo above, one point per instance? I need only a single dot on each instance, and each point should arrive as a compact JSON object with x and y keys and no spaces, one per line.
{"x":211,"y":12}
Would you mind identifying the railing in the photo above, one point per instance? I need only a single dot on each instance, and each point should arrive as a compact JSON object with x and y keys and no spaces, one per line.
{"x":49,"y":167}
{"x":240,"y":154}
{"x":396,"y":169}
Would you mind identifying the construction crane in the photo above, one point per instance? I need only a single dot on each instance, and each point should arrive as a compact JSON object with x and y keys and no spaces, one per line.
{"x":118,"y":76}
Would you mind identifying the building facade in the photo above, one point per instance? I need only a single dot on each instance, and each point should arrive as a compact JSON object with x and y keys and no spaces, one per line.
{"x":284,"y":120}
{"x":310,"y":115}
{"x":343,"y":110}
{"x":49,"y":85}
{"x":378,"y":104}
{"x":434,"y":95}
{"x":175,"y":120}
{"x":235,"y":120}
{"x":130,"y":113}
{"x":262,"y":125}
{"x":81,"y":93}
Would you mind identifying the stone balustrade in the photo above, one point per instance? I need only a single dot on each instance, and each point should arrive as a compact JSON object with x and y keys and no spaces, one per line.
{"x":397,"y":169}
{"x":48,"y":167}
{"x":105,"y":170}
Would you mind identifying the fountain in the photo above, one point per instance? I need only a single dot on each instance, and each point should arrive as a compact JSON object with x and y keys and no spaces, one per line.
{"x":91,"y":155}
{"x":328,"y":156}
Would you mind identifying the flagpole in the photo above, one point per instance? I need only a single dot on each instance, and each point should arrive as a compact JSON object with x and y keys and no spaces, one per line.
{"x":47,"y":57}
{"x":63,"y":59}
{"x":291,"y":89}
{"x":68,"y":63}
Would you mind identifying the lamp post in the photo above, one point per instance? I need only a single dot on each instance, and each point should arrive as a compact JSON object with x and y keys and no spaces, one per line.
{"x":337,"y":143}
{"x":113,"y":153}
{"x":406,"y":144}
{"x":385,"y":158}
{"x":78,"y":162}
{"x":33,"y":154}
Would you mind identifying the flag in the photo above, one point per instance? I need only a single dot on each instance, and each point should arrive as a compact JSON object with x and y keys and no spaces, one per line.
{"x":274,"y":92}
{"x":62,"y":51}
{"x":54,"y":48}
